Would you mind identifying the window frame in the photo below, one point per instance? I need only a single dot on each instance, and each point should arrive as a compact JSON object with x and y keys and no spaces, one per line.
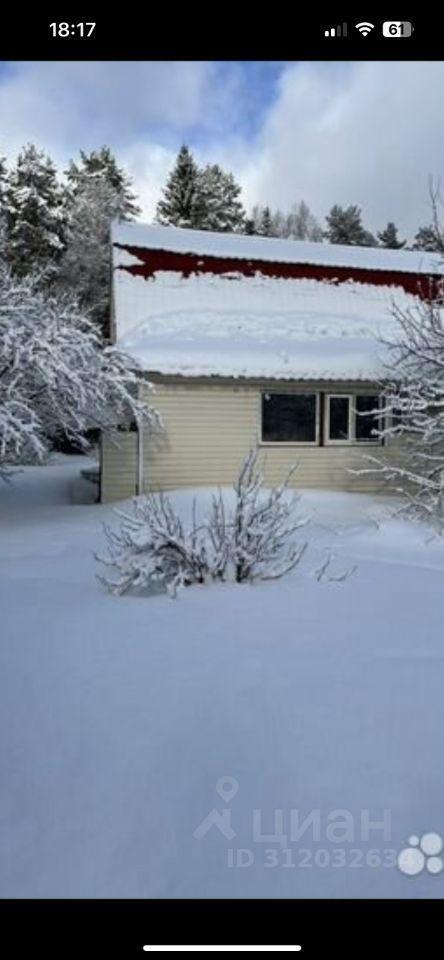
{"x":352,"y":414}
{"x":337,"y":396}
{"x":291,"y":443}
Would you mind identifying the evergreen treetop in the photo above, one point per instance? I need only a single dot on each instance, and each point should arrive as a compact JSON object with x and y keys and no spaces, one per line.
{"x":427,"y":239}
{"x":389,"y":237}
{"x":200,"y":198}
{"x":344,"y":225}
{"x":182,"y":203}
{"x":265,"y":227}
{"x":101,"y":165}
{"x":221,"y":208}
{"x":34,"y":215}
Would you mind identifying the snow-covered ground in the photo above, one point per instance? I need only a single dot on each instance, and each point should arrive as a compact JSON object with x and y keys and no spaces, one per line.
{"x":120,"y":717}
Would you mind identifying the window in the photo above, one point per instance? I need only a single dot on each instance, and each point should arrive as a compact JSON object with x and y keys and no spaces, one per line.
{"x":365,"y":423}
{"x":338,"y":418}
{"x":349,"y":418}
{"x":289,"y":417}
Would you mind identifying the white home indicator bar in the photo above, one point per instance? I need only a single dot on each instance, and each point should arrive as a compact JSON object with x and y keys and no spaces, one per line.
{"x":175,"y":948}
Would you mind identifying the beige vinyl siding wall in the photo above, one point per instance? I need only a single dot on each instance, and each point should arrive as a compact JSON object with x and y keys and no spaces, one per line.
{"x":209,"y":426}
{"x":118,"y":467}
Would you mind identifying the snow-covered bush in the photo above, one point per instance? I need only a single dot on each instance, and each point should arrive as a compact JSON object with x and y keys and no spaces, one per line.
{"x":251,"y":540}
{"x":57,"y":376}
{"x":153,"y":546}
{"x":257,"y":539}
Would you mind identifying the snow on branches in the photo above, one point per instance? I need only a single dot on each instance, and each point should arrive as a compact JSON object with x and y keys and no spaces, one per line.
{"x":57,"y":377}
{"x":414,"y":412}
{"x":260,"y":528}
{"x":253,"y":539}
{"x":33,"y":208}
{"x":153,"y":546}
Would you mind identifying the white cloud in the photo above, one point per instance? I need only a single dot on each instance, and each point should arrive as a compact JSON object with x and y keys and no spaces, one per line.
{"x":148,"y":166}
{"x":66,"y":105}
{"x":368,"y":133}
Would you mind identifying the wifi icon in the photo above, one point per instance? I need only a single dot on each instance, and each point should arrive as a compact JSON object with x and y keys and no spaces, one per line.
{"x":365,"y":28}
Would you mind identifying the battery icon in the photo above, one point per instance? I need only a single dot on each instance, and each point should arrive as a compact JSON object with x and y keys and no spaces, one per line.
{"x":397,"y":28}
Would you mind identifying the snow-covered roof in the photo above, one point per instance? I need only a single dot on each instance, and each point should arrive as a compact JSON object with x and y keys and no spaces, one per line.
{"x":236,"y":246}
{"x":289,"y":329}
{"x":237,"y":325}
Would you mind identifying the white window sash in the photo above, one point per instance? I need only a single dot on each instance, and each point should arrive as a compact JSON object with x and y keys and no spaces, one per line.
{"x":352,"y":416}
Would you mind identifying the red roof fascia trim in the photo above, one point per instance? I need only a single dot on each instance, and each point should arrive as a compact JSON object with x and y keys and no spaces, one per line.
{"x":187,"y":264}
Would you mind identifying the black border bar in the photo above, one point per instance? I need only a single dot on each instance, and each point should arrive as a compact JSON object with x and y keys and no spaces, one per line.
{"x":159,"y":32}
{"x":120,"y":928}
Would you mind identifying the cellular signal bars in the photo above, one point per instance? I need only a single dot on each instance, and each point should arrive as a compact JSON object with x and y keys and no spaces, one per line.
{"x":340,"y":31}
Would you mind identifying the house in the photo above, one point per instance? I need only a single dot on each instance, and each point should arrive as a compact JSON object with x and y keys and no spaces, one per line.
{"x":251,"y":339}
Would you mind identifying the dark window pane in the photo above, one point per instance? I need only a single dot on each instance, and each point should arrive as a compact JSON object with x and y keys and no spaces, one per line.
{"x":398,"y":415}
{"x":339,"y":418}
{"x":289,"y":417}
{"x":365,"y":423}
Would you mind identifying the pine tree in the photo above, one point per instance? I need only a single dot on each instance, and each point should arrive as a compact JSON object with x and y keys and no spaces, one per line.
{"x":265,"y":223}
{"x":182,"y":204}
{"x":345,"y":226}
{"x":221,"y":208}
{"x":427,"y":239}
{"x":389,"y":237}
{"x":101,"y":165}
{"x":34,"y":214}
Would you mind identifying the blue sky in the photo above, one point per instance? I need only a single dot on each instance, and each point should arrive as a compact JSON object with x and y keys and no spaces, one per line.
{"x":366,"y":133}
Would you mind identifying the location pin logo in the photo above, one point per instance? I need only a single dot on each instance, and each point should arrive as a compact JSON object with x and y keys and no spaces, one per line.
{"x":227,"y":788}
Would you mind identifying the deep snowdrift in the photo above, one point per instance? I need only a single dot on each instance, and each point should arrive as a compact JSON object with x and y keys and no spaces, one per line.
{"x":120,"y":715}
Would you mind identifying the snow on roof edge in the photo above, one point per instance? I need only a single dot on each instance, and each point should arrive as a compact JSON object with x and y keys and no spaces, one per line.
{"x":250,"y":378}
{"x":271,"y":249}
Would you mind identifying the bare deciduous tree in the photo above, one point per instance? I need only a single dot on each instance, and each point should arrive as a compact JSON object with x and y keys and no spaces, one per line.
{"x":413,"y":406}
